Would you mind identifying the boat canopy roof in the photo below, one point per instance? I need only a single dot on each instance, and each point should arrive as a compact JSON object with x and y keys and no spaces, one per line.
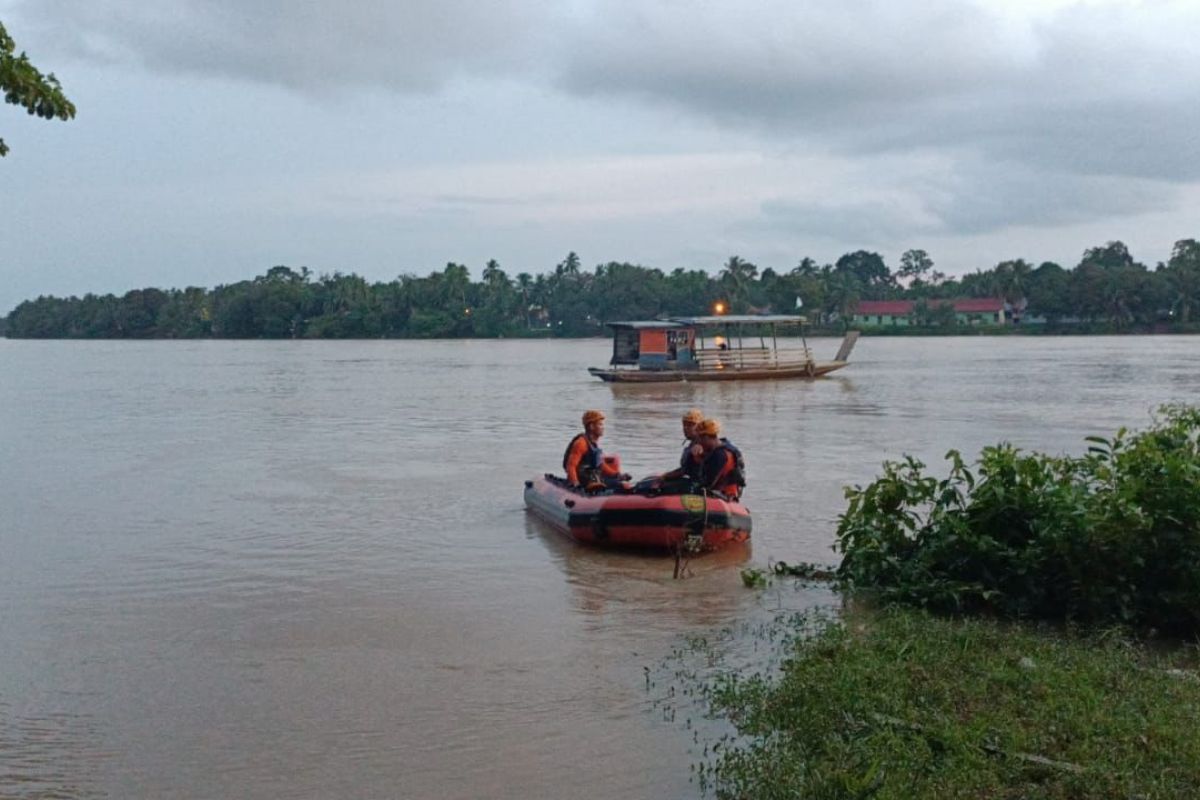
{"x":644,"y":324}
{"x":742,"y":319}
{"x":702,"y":322}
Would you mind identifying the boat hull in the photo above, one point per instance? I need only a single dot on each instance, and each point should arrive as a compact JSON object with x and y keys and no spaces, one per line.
{"x":637,"y":521}
{"x":814,"y":370}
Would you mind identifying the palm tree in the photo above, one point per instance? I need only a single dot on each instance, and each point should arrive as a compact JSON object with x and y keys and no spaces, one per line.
{"x":844,"y":291}
{"x":1183,"y":273}
{"x":1011,"y":279}
{"x":493,"y":275}
{"x":806,"y":268}
{"x":456,"y":280}
{"x":525,"y":284}
{"x":737,"y":275}
{"x":569,"y":266}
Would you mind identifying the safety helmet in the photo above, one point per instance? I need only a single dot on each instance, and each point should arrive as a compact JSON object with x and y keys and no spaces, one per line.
{"x":693,"y":416}
{"x":708,"y":427}
{"x":592,"y":416}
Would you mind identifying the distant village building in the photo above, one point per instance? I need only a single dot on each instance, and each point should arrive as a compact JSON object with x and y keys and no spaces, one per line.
{"x":967,"y":311}
{"x":883,"y":312}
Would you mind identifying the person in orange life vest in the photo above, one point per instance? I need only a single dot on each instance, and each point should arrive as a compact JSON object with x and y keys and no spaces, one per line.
{"x":723,"y":470}
{"x":692,"y":460}
{"x":584,"y":461}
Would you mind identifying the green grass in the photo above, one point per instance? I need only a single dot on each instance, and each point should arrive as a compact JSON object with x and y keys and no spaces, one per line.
{"x":901,"y":704}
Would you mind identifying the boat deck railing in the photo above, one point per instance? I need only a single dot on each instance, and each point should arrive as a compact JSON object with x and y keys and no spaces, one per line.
{"x":752,"y":358}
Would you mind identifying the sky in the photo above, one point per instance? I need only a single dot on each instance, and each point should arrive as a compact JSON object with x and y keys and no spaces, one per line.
{"x":217,"y":138}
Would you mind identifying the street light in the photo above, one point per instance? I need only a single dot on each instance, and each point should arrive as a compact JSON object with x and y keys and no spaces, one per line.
{"x":719,"y":307}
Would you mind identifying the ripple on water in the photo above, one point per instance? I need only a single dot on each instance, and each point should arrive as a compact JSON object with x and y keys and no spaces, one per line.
{"x":51,"y":755}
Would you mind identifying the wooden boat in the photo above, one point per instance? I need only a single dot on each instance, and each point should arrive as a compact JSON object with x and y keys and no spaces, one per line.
{"x":664,"y":522}
{"x":722,"y":348}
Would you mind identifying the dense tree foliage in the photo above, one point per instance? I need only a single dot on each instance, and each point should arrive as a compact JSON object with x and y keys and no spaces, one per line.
{"x":1106,"y":287}
{"x":23,"y":85}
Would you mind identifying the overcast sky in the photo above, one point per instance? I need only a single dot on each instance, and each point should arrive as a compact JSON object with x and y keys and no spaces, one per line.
{"x":217,"y":138}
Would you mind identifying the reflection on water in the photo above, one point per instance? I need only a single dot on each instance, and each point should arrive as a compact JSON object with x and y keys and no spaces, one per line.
{"x":264,"y":569}
{"x":637,"y":590}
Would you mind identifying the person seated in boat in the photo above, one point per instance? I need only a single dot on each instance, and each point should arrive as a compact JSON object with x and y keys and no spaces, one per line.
{"x":584,"y":461}
{"x":690,"y":462}
{"x":724,"y":468}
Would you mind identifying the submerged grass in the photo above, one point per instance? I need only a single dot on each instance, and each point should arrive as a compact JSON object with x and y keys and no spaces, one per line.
{"x":901,"y":704}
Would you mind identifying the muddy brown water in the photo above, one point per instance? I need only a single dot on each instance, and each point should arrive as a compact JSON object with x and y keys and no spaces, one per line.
{"x":303,"y":569}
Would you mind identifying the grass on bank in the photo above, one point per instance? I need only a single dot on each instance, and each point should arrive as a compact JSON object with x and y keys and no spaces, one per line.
{"x":901,"y":704}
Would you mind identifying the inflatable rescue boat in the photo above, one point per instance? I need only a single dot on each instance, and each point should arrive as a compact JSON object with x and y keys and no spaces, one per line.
{"x":616,"y":518}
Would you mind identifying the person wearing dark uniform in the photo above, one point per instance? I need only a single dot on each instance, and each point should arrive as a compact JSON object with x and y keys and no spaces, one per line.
{"x":724,"y":469}
{"x":692,"y":459}
{"x":584,"y":461}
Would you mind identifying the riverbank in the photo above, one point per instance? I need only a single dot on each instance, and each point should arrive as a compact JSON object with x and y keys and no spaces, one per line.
{"x":597,"y":331}
{"x":902,"y":704}
{"x":899,"y":704}
{"x":815,"y":333}
{"x":1073,"y":329}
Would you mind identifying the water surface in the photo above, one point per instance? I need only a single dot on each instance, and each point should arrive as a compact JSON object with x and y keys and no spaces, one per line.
{"x":303,"y":569}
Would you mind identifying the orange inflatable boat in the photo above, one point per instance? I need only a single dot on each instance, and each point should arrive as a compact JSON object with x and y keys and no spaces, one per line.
{"x":650,"y":521}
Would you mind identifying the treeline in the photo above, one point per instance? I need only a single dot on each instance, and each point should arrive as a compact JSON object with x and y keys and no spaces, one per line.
{"x":1107,"y":285}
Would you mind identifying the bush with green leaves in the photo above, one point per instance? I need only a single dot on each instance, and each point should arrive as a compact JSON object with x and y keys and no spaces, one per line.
{"x":1112,"y":536}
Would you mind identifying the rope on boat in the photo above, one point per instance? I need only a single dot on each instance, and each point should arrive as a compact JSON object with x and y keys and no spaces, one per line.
{"x":685,"y":546}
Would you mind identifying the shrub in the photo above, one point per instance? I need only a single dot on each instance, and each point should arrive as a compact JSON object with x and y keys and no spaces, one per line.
{"x":1111,"y":536}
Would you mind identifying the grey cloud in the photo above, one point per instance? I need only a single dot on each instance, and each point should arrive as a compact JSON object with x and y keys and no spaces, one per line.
{"x":1091,"y":91}
{"x":870,"y":223}
{"x":775,"y":64}
{"x":306,"y":45}
{"x":482,"y":201}
{"x":972,"y":198}
{"x":980,"y":198}
{"x":1085,"y":114}
{"x":1082,"y":135}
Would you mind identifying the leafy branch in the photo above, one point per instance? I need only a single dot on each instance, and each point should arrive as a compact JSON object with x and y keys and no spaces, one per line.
{"x":24,"y":85}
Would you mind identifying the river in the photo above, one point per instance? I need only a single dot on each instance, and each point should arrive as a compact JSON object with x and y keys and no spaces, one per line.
{"x":303,"y":569}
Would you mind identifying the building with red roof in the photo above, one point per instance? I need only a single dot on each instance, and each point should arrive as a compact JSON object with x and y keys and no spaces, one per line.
{"x":967,"y":311}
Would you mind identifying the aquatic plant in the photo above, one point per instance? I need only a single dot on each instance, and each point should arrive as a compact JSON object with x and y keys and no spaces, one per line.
{"x":754,"y":578}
